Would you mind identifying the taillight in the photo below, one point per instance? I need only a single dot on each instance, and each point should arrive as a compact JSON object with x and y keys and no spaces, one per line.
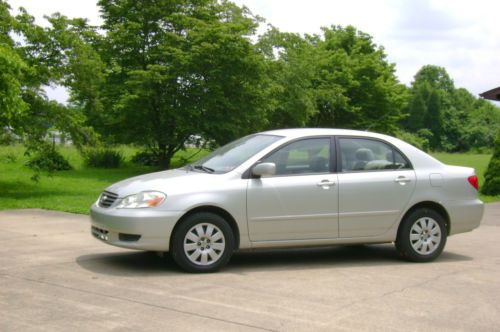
{"x":473,"y":181}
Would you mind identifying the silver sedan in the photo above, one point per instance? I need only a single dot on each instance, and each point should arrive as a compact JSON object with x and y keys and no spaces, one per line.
{"x":292,"y":188}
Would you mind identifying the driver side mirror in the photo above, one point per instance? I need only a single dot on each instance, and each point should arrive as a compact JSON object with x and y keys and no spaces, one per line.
{"x":264,"y":169}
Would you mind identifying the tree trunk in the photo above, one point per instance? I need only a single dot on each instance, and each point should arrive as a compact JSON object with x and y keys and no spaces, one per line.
{"x":164,"y":157}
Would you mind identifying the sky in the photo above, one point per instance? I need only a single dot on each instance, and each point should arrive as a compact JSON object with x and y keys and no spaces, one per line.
{"x":461,"y":36}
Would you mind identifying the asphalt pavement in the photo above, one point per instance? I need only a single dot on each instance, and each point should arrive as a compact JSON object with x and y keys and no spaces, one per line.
{"x":54,"y":276}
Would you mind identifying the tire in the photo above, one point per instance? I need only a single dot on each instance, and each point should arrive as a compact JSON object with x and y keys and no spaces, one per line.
{"x":422,"y":236}
{"x":203,"y":242}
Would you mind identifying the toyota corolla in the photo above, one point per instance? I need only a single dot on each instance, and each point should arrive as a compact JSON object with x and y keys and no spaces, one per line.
{"x":292,"y":188}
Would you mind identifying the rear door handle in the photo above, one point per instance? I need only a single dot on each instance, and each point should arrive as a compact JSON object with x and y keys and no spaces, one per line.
{"x":402,"y":180}
{"x":325,"y":184}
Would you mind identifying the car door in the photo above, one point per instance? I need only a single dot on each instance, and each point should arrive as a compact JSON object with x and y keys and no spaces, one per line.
{"x":300,"y":201}
{"x":375,"y":184}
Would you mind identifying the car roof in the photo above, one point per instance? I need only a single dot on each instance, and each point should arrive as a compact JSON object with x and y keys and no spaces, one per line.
{"x":417,"y":157}
{"x":301,"y":132}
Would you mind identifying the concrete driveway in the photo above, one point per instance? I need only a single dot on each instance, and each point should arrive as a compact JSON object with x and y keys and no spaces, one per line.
{"x":55,"y":277}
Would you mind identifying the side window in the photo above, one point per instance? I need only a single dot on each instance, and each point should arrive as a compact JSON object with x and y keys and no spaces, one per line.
{"x":302,"y":157}
{"x":360,"y":154}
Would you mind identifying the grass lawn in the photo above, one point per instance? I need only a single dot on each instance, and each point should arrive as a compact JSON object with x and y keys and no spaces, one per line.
{"x":76,"y":190}
{"x":71,"y":191}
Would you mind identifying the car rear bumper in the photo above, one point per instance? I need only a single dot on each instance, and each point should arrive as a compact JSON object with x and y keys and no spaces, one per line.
{"x":464,"y":215}
{"x":143,"y":229}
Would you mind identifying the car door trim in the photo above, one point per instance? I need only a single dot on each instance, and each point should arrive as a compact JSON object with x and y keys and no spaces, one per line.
{"x":371,"y":213}
{"x":294,"y":217}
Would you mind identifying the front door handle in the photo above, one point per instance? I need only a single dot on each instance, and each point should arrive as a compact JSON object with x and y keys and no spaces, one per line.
{"x":402,"y":180}
{"x":325,"y":184}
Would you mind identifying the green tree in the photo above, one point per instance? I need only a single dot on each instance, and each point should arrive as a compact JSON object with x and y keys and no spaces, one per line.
{"x":437,"y":77}
{"x":433,"y":117}
{"x":12,"y":106}
{"x":290,"y":69}
{"x":340,"y":79}
{"x":355,"y":86}
{"x":418,"y":108}
{"x":430,"y":103}
{"x":81,"y":68}
{"x":26,"y":68}
{"x":175,"y":69}
{"x":456,"y":120}
{"x":479,"y":121}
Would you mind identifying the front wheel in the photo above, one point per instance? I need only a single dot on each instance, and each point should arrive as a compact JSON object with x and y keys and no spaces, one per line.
{"x":203,"y":242}
{"x":422,"y":236}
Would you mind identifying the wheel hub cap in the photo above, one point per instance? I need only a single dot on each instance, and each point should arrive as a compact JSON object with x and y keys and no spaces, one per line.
{"x":204,"y":244}
{"x":425,"y":236}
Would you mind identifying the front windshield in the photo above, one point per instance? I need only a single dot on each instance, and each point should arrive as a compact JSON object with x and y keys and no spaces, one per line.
{"x":232,"y":155}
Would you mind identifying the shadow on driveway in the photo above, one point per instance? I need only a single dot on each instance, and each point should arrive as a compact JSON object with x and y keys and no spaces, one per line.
{"x":135,"y":263}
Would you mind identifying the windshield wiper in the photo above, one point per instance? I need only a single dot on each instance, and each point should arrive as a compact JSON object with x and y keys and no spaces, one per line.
{"x":204,"y":168}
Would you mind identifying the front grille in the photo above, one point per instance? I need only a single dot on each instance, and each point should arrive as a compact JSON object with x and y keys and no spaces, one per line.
{"x":107,"y":199}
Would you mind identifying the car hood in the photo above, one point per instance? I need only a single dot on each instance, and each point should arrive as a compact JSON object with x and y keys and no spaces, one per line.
{"x":165,"y":181}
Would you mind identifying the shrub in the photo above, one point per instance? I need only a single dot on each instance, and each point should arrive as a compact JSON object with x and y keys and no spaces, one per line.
{"x":418,"y":140}
{"x":146,"y":158}
{"x":9,"y":158}
{"x":102,"y":158}
{"x":48,"y":159}
{"x":8,"y":138}
{"x":492,"y":176}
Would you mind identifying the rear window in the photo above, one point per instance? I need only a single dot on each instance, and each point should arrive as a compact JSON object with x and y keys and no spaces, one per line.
{"x":361,"y":154}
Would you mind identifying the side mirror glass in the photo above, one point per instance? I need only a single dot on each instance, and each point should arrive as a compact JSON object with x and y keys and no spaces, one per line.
{"x":264,"y":169}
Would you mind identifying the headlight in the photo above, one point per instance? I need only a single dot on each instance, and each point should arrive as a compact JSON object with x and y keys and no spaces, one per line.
{"x":143,"y":199}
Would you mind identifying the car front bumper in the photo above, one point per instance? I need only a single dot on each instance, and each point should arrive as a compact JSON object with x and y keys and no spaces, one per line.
{"x":142,"y":229}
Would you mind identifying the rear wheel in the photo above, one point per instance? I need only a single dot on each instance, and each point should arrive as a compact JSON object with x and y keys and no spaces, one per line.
{"x":203,"y":242}
{"x":422,"y":236}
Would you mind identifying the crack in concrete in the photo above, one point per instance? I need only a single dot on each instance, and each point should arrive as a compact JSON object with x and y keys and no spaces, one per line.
{"x":138,"y":302}
{"x":396,"y":291}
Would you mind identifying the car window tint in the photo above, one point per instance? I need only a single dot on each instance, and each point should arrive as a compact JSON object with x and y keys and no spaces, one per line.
{"x":302,"y":157}
{"x":359,"y":154}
